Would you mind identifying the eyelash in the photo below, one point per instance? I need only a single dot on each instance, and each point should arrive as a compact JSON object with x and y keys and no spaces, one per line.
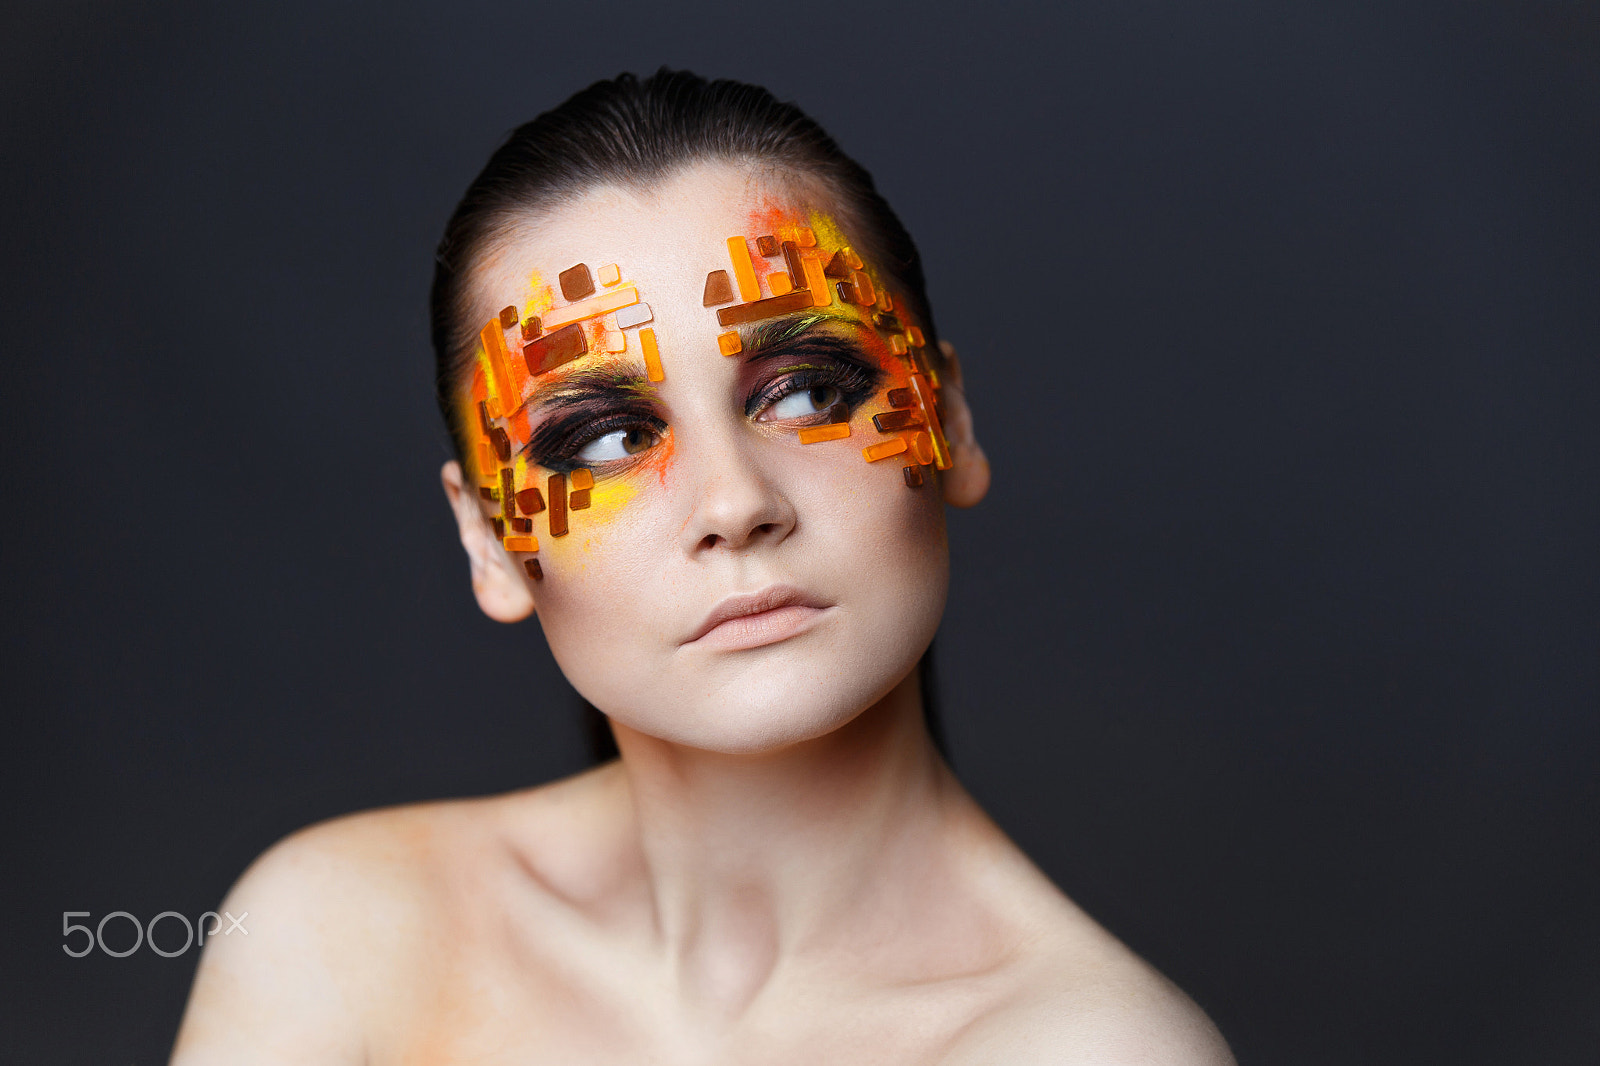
{"x":569,"y":436}
{"x":856,"y":383}
{"x":564,"y":438}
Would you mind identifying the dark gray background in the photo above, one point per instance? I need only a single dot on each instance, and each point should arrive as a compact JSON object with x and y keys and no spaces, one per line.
{"x":1276,"y":643}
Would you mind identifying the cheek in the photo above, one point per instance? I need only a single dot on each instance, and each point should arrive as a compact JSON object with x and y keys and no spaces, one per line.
{"x":604,"y":601}
{"x":604,"y":583}
{"x":864,"y":517}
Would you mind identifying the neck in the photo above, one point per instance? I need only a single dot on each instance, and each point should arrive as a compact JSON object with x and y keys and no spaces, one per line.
{"x":751,"y":859}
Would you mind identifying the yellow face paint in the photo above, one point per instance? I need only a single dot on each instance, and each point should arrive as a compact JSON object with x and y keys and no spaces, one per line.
{"x":786,"y":271}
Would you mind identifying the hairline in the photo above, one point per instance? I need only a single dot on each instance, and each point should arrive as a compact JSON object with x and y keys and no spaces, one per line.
{"x":512,"y":223}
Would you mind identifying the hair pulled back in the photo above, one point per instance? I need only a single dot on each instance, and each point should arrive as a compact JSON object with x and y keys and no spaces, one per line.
{"x":635,"y":133}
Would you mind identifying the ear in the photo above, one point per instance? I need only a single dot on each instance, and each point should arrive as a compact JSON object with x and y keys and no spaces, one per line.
{"x":967,"y":480}
{"x":501,"y":589}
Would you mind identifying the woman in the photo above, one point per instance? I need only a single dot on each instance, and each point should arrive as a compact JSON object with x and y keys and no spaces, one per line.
{"x":706,"y":434}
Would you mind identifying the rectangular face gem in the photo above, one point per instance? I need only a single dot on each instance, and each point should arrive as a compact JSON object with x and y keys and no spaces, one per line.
{"x":729,"y":343}
{"x":610,"y":275}
{"x":794,"y":263}
{"x":864,"y":289}
{"x":719,"y":290}
{"x":818,"y":434}
{"x":581,"y":478}
{"x":821,"y":295}
{"x":739,"y":314}
{"x":778,"y":281}
{"x":890,"y":421}
{"x":744,"y":271}
{"x":556,"y":493}
{"x":913,"y":476}
{"x":576,"y":282}
{"x":883,"y":449}
{"x":530,"y":501}
{"x":494,"y":345}
{"x":637,"y":315}
{"x":652,"y":355}
{"x":555,"y":349}
{"x":522,"y":544}
{"x":614,"y":300}
{"x":533,"y":568}
{"x":924,"y":394}
{"x":579,"y":500}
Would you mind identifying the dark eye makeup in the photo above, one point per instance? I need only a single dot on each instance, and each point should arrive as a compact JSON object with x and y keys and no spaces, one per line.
{"x":614,"y":421}
{"x":558,"y":443}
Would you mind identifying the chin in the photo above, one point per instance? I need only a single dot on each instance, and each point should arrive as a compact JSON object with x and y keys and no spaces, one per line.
{"x":764,"y":708}
{"x":745,"y":730}
{"x":753,"y":728}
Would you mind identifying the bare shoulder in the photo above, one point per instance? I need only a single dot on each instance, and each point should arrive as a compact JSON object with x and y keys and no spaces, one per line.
{"x":1086,"y":998}
{"x":337,"y":914}
{"x":1068,"y":992}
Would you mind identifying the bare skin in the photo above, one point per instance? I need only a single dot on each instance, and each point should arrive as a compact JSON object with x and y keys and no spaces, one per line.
{"x":780,"y":869}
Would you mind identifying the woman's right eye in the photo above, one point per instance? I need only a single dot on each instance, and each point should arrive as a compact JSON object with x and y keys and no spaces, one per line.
{"x":618,"y":444}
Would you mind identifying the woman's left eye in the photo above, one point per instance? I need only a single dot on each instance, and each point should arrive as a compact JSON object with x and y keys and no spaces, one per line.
{"x":805,"y":402}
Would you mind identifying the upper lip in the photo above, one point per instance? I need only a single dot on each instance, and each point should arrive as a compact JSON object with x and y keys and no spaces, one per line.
{"x":768,"y":599}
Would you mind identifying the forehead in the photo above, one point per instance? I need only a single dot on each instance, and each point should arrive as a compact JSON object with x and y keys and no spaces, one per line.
{"x":663,"y":233}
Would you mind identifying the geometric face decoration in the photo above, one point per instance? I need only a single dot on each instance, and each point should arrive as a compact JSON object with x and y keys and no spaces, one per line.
{"x":772,"y":279}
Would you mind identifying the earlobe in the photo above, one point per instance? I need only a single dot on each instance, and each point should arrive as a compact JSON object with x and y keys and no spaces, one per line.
{"x":497,"y":580}
{"x":967,"y":481}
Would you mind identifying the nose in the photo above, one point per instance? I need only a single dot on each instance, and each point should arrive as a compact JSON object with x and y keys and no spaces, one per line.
{"x":737,"y":505}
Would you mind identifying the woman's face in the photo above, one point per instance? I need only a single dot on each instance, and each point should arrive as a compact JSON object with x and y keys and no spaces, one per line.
{"x":724,"y":584}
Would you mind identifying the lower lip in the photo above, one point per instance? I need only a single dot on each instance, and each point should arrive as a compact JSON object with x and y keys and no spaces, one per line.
{"x":768,"y":627}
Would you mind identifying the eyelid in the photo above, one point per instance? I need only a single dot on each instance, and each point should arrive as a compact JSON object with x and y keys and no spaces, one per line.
{"x":555,"y":444}
{"x":855,"y":382}
{"x":813,"y":341}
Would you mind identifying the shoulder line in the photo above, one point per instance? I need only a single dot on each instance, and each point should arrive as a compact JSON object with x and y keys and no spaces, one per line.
{"x":1108,"y":1013}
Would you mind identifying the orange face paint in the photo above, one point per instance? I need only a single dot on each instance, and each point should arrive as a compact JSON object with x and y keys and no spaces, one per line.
{"x":783,"y":265}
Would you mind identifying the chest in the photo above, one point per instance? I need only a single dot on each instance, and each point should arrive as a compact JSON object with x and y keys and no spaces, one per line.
{"x":485,"y":1015}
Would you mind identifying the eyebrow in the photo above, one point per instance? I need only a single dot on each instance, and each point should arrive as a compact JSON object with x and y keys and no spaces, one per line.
{"x":612,"y":378}
{"x":616,"y":379}
{"x":775,"y":339}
